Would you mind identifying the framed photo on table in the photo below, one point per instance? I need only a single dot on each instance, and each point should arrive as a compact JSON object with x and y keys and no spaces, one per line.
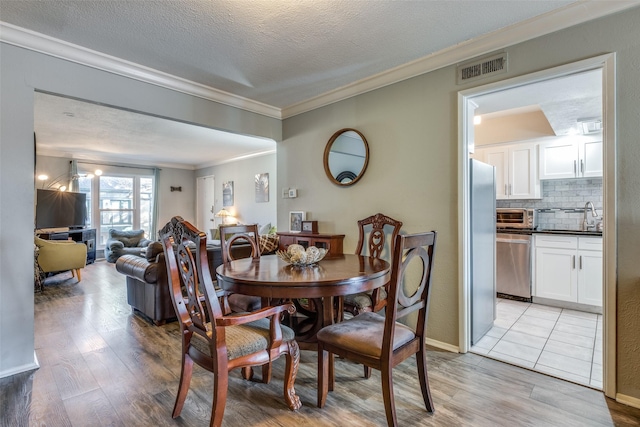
{"x":295,"y":221}
{"x":310,"y":227}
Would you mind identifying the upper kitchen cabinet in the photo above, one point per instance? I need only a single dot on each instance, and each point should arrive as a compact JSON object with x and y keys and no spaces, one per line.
{"x":516,"y":169}
{"x":571,"y":158}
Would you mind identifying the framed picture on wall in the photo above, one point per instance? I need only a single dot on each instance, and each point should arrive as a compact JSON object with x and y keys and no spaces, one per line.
{"x":295,"y":221}
{"x":262,"y":187}
{"x":227,"y":194}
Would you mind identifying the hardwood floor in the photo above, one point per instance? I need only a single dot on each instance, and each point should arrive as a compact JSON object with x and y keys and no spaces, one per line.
{"x":102,"y":365}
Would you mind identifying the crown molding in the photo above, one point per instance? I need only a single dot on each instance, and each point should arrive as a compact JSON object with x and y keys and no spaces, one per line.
{"x":559,"y":19}
{"x":235,"y":159}
{"x":37,"y":42}
{"x":573,"y":14}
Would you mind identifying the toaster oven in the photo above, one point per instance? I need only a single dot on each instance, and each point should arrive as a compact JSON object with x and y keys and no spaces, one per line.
{"x":518,"y":218}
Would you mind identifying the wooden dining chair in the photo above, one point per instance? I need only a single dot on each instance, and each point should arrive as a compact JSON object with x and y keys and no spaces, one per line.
{"x":376,"y":236}
{"x":230,"y":234}
{"x":214,"y":341}
{"x":236,"y":234}
{"x":379,"y":341}
{"x":239,"y":303}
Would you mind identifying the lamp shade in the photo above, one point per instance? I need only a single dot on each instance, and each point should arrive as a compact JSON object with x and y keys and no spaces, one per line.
{"x":223,"y":214}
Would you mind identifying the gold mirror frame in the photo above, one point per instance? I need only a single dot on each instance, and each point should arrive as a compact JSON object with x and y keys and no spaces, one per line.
{"x":339,"y":177}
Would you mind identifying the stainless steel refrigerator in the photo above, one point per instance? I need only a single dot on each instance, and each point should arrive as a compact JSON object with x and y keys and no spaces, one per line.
{"x":482,"y":247}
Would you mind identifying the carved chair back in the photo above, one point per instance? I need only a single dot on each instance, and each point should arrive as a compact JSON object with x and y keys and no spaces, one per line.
{"x":377,"y":234}
{"x":194,"y":296}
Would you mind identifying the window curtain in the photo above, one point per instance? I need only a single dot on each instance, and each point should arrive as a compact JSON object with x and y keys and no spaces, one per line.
{"x":154,"y":216}
{"x":74,"y":185}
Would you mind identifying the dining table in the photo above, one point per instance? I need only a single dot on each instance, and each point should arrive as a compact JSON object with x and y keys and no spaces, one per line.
{"x":313,"y":288}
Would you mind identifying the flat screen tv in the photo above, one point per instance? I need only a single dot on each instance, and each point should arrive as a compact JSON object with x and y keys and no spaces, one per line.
{"x":57,"y":209}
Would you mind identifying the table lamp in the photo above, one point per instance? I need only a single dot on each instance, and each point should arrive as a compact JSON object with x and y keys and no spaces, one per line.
{"x":223,"y":214}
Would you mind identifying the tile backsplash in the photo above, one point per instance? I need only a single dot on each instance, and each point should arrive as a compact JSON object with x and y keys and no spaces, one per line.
{"x":563,"y":194}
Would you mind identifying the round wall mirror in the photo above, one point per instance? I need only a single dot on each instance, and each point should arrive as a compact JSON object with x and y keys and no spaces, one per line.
{"x":346,"y":157}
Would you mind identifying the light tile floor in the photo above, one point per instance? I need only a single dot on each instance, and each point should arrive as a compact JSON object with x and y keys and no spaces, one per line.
{"x":563,"y":343}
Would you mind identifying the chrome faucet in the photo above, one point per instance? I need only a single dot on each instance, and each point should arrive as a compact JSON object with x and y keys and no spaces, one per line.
{"x":586,"y":225}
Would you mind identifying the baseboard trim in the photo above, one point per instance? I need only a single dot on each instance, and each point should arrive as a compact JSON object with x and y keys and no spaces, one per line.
{"x":443,"y":345}
{"x":22,"y":368}
{"x":628,"y":400}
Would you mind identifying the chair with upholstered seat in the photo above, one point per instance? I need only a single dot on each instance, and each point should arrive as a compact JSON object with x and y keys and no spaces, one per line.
{"x":376,"y":236}
{"x":61,"y":255}
{"x":232,"y":234}
{"x":379,"y":341}
{"x":212,"y":340}
{"x":229,"y":235}
{"x":127,"y":242}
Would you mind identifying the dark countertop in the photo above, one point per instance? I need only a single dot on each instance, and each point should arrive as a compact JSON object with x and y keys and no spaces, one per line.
{"x":565,"y":232}
{"x":571,"y":232}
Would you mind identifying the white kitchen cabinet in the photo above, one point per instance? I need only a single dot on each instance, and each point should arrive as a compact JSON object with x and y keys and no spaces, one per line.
{"x":591,"y":158}
{"x":568,"y":268}
{"x":555,"y":273}
{"x":590,"y":270}
{"x":516,"y":170}
{"x":570,"y":158}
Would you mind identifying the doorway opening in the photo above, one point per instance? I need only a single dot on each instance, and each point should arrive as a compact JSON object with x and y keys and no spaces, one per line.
{"x":467,"y":105}
{"x":205,"y":204}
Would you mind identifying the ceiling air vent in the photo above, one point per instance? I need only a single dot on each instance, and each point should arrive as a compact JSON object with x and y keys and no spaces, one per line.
{"x":482,"y":67}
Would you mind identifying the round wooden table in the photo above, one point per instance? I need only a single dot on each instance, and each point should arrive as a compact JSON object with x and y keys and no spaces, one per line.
{"x":270,"y":277}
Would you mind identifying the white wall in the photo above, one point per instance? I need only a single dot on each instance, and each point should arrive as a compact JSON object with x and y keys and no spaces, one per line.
{"x":242,"y":172}
{"x":16,"y":220}
{"x":181,"y":203}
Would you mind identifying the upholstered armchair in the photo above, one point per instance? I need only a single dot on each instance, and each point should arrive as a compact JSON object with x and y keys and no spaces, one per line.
{"x":61,"y":255}
{"x":130,"y":242}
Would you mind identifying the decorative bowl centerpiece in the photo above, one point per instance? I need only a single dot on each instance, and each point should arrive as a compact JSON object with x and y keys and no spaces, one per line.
{"x":297,"y":255}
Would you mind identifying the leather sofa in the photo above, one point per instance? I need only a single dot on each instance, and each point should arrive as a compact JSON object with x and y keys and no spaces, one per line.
{"x":148,"y":289}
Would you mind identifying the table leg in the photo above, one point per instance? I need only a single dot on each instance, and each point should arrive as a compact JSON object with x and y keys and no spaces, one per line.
{"x":317,"y":314}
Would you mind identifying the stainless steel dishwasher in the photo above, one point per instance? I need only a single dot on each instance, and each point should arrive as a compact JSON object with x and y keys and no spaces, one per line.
{"x":513,"y":265}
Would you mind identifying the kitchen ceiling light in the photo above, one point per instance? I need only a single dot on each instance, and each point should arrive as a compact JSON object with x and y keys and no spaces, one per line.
{"x":590,"y":125}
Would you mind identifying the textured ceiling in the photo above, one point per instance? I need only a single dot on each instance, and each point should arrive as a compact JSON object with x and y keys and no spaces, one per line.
{"x":280,"y":53}
{"x":273,"y":51}
{"x":81,"y":130}
{"x":563,"y":100}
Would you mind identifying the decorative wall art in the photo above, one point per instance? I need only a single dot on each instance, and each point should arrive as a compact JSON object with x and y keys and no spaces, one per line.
{"x":227,"y":194}
{"x":295,"y":221}
{"x":262,"y":187}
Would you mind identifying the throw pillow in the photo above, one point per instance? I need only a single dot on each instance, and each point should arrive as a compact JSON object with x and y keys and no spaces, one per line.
{"x":268,"y":243}
{"x":130,"y":238}
{"x":216,"y":234}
